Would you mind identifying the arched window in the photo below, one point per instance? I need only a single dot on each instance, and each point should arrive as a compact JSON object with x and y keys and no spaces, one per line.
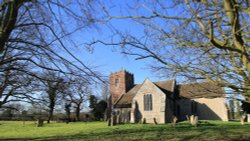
{"x":148,"y":103}
{"x":116,"y":82}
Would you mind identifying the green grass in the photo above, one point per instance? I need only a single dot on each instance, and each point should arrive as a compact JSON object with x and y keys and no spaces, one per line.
{"x":207,"y":130}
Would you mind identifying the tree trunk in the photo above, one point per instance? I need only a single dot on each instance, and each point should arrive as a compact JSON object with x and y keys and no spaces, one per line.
{"x":9,"y":21}
{"x":50,"y":115}
{"x":77,"y":112}
{"x":52,"y":103}
{"x":247,"y":97}
{"x":68,"y":117}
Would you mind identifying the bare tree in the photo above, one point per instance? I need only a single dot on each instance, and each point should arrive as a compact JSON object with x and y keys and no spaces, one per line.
{"x":105,"y":91}
{"x":39,"y":30}
{"x":15,"y":85}
{"x":196,"y":40}
{"x":38,"y":34}
{"x":79,"y":92}
{"x":52,"y":86}
{"x":67,"y":110}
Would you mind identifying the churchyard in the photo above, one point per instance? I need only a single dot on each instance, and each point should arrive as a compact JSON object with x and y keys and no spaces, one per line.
{"x":206,"y":130}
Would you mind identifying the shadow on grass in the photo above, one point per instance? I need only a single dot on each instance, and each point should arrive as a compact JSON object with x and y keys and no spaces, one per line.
{"x":182,"y":132}
{"x":222,"y":132}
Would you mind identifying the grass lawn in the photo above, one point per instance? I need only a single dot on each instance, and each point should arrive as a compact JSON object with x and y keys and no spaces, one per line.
{"x":207,"y":130}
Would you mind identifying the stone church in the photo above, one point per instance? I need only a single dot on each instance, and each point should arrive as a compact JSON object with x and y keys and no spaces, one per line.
{"x":161,"y":101}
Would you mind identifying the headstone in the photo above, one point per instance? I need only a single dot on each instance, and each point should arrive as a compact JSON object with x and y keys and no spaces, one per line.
{"x":109,"y":121}
{"x":113,"y":120}
{"x":242,"y":121}
{"x":188,"y":119}
{"x":39,"y":123}
{"x":144,"y":121}
{"x":193,"y":120}
{"x":174,"y":121}
{"x":155,"y":122}
{"x":118,"y":119}
{"x":248,"y":117}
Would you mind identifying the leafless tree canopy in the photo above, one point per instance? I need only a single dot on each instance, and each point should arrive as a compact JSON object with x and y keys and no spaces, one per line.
{"x":53,"y":90}
{"x":36,"y":36}
{"x":205,"y":39}
{"x":78,"y":93}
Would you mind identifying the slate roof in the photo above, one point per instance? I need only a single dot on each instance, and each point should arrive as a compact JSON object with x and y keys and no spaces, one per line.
{"x":200,"y":90}
{"x":125,"y":100}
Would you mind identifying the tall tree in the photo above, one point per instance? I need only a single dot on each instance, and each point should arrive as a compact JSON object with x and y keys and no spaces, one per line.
{"x":67,"y":110}
{"x":194,"y":40}
{"x":79,"y":91}
{"x":97,"y":108}
{"x":92,"y":101}
{"x":38,"y":34}
{"x":52,"y":86}
{"x":105,"y":91}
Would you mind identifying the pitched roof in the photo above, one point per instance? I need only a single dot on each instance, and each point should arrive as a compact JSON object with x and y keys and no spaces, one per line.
{"x":126,"y":100}
{"x":166,"y":86}
{"x":200,"y":90}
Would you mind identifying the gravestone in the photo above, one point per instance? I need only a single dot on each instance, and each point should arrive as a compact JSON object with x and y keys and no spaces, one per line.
{"x":248,"y":117}
{"x":39,"y":123}
{"x":118,"y":119}
{"x":242,"y":121}
{"x":193,"y":120}
{"x":174,"y":121}
{"x":109,"y":121}
{"x":188,"y":119}
{"x":155,"y":122}
{"x":113,"y":120}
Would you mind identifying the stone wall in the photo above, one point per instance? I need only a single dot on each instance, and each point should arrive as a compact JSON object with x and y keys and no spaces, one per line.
{"x":158,"y":102}
{"x":212,"y":109}
{"x":123,"y":115}
{"x":206,"y":109}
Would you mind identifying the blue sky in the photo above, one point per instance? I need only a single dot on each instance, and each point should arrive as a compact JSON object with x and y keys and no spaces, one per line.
{"x":109,"y":59}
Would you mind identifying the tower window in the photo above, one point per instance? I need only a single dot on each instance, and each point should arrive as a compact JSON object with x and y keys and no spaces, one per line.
{"x":148,"y":105}
{"x":116,"y":82}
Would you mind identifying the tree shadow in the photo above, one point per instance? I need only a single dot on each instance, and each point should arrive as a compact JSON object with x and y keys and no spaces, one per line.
{"x":191,"y":107}
{"x":137,"y":113}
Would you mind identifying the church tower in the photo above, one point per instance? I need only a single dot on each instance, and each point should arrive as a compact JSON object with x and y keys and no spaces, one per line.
{"x":120,"y":83}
